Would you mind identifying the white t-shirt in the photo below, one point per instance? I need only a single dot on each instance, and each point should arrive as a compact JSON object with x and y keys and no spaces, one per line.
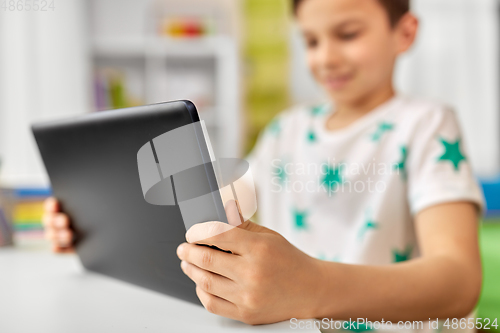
{"x":350,"y":195}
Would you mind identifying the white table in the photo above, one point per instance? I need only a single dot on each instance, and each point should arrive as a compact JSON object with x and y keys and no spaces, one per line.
{"x":43,"y":292}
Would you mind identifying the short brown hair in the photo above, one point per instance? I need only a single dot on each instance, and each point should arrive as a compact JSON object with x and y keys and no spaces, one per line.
{"x":395,"y":8}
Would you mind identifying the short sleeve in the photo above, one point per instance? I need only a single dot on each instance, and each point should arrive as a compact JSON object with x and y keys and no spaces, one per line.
{"x":439,"y":169}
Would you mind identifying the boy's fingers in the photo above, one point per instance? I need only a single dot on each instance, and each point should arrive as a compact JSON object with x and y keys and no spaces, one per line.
{"x":63,"y":238}
{"x":214,"y":284}
{"x":234,"y":236}
{"x":215,"y":304}
{"x":55,"y":220}
{"x":51,"y":205}
{"x":222,"y":235}
{"x":58,"y":249}
{"x":202,"y":231}
{"x":61,"y":221}
{"x":212,"y":260}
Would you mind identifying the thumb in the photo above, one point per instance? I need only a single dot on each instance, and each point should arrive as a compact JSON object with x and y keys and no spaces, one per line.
{"x":254,"y":227}
{"x":235,"y":218}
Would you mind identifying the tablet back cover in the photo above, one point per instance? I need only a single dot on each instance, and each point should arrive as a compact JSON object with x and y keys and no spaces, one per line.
{"x":92,"y":163}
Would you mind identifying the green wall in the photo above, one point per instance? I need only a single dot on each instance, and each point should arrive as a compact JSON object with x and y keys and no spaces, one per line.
{"x":489,"y":303}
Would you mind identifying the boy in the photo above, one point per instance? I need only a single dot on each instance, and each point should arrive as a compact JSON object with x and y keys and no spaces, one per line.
{"x":373,"y":197}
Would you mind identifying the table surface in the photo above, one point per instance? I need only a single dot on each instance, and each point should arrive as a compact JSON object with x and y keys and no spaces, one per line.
{"x":44,"y":292}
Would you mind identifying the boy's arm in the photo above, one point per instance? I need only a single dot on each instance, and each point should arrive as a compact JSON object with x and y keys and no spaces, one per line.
{"x":266,"y":279}
{"x":445,"y":282}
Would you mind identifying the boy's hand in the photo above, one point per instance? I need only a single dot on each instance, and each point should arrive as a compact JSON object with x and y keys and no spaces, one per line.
{"x":57,"y":227}
{"x":265,"y":279}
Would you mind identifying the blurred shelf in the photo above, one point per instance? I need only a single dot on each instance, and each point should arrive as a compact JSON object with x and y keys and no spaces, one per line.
{"x":210,"y":46}
{"x":117,"y":46}
{"x":135,"y":66}
{"x":154,"y":69}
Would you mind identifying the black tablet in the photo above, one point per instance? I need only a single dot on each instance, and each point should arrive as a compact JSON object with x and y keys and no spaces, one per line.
{"x":125,"y":177}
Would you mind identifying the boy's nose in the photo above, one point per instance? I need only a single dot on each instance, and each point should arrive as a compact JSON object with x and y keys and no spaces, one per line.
{"x":328,"y":55}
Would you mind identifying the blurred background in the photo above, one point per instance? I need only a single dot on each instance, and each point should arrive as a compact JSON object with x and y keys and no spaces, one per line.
{"x":240,"y":62}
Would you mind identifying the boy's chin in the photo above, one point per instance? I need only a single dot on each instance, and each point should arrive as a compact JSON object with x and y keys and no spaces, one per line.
{"x":350,"y":95}
{"x":344,"y":96}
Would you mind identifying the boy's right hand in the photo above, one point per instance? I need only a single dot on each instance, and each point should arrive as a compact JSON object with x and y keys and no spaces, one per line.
{"x":57,"y":227}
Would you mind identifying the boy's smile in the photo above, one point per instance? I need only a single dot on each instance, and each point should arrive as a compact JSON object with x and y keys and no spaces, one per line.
{"x":335,"y":82}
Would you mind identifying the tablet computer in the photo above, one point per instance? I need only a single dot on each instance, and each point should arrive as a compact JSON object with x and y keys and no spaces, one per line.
{"x":132,"y":182}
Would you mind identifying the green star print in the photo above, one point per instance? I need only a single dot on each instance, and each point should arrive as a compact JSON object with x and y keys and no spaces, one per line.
{"x":332,"y":178}
{"x":401,"y":166}
{"x":399,"y":256}
{"x":311,"y":136}
{"x":383,"y":127}
{"x":452,"y":153}
{"x":300,"y":219}
{"x":369,"y":224}
{"x":319,"y":110}
{"x":279,"y":171}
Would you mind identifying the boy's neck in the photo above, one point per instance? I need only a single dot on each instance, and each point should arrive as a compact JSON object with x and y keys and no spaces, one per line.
{"x":347,"y":113}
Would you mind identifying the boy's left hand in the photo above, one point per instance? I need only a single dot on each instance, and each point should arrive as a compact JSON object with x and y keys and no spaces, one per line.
{"x":265,"y":279}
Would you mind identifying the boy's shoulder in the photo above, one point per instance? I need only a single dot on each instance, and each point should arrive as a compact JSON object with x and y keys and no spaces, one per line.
{"x":421,"y":111}
{"x":422,"y":106}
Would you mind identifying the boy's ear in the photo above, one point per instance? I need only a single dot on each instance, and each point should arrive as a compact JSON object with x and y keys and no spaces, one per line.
{"x":406,"y":32}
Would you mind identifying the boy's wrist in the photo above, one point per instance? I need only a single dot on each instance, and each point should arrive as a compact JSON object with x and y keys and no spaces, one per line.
{"x":322,"y":285}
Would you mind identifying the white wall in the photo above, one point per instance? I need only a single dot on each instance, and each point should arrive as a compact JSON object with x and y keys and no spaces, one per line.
{"x":455,"y":60}
{"x":44,"y":74}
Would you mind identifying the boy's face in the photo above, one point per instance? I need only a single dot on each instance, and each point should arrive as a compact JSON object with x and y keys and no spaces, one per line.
{"x":351,"y":46}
